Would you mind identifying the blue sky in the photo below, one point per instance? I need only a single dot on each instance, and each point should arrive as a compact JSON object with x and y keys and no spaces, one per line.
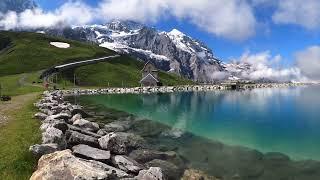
{"x":284,"y":36}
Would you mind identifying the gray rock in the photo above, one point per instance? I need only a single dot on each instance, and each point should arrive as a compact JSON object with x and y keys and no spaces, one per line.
{"x":86,"y":125}
{"x":40,"y":116}
{"x":64,"y":116}
{"x":74,"y":118}
{"x":76,"y":138}
{"x":120,"y":142}
{"x":53,"y":135}
{"x":146,"y":155}
{"x":126,"y":164}
{"x":87,"y":152}
{"x":83,"y":114}
{"x":82,"y":131}
{"x":56,"y":123}
{"x":153,"y":173}
{"x":63,"y":165}
{"x":102,"y":132}
{"x":41,"y":149}
{"x":169,"y":169}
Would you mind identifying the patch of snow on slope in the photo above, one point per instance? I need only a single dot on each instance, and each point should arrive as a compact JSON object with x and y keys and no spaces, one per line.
{"x":60,"y":45}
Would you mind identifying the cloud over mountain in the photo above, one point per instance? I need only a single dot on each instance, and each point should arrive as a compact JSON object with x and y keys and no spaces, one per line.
{"x":308,"y":61}
{"x":233,"y":19}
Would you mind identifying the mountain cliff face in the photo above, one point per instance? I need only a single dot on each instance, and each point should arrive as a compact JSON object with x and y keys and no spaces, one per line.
{"x":170,"y":51}
{"x":16,"y":5}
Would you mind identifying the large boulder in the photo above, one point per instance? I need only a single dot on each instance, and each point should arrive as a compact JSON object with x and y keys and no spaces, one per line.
{"x":153,"y":173}
{"x":76,"y":138}
{"x":120,"y":142}
{"x":53,"y":135}
{"x":126,"y":164}
{"x":87,"y":152}
{"x":86,"y":125}
{"x":146,"y":155}
{"x":41,"y":149}
{"x":63,"y":165}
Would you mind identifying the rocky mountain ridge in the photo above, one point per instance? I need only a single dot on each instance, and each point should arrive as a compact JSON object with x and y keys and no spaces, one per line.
{"x":170,"y":51}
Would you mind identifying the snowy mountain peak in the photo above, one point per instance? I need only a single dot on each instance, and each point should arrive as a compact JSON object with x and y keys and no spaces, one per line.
{"x":169,"y":51}
{"x":124,"y":25}
{"x":176,"y":32}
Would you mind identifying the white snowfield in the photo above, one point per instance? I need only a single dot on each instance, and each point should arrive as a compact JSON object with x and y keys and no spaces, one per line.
{"x":60,"y":45}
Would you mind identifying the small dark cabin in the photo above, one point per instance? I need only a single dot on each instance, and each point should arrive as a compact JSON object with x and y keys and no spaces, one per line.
{"x":149,"y":75}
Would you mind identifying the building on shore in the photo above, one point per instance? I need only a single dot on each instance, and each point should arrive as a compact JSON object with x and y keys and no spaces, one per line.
{"x":149,"y":75}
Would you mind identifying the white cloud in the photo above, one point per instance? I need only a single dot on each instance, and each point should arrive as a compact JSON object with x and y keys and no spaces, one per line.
{"x":70,"y":13}
{"x":232,"y":19}
{"x":305,"y":13}
{"x":263,"y":67}
{"x":308,"y":61}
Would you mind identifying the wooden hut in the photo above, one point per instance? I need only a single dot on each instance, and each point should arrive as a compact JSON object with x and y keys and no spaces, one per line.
{"x":149,"y":75}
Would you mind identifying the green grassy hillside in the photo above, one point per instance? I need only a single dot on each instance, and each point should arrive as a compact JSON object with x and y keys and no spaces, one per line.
{"x":123,"y":71}
{"x":24,"y":55}
{"x":28,"y":52}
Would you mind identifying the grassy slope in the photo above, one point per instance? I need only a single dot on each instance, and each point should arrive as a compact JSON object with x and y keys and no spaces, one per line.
{"x":30,"y":52}
{"x":123,"y":70}
{"x":16,"y":162}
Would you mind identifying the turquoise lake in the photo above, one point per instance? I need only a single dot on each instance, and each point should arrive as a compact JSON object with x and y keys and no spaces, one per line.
{"x":285,"y":120}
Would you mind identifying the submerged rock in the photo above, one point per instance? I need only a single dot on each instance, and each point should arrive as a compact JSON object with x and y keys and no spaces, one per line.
{"x":146,"y":155}
{"x":118,"y":126}
{"x":126,"y":164}
{"x":41,"y":149}
{"x":169,"y":169}
{"x":87,"y":152}
{"x":63,"y":165}
{"x":120,"y":143}
{"x":192,"y":174}
{"x":153,"y":173}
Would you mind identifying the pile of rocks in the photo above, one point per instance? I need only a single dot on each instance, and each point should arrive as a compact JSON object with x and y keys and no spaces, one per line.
{"x":75,"y":148}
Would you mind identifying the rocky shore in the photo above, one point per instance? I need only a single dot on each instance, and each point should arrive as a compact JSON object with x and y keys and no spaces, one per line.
{"x":171,"y":89}
{"x":75,"y":148}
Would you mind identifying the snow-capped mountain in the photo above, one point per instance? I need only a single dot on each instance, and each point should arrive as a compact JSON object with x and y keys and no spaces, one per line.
{"x":16,"y":5}
{"x":170,"y":51}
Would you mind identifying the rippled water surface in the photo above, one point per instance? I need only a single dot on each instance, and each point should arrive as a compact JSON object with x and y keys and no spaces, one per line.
{"x":285,"y":120}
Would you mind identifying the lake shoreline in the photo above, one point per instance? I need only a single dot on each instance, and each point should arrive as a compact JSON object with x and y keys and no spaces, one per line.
{"x":245,"y":161}
{"x":171,"y":89}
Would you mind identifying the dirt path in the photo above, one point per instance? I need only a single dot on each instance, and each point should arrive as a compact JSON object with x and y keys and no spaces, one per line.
{"x":15,"y":104}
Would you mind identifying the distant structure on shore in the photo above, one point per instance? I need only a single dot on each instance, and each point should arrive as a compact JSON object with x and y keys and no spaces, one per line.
{"x":149,"y":75}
